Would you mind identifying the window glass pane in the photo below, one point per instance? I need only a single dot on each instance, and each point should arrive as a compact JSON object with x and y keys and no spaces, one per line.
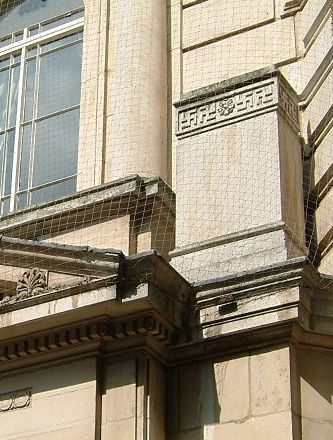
{"x":16,"y":58}
{"x":5,"y":206}
{"x":18,"y":36}
{"x":59,"y":83}
{"x":25,"y":157}
{"x":9,"y":161}
{"x":33,"y":31}
{"x":5,"y":41}
{"x":32,"y":52}
{"x":56,"y":147}
{"x":4,"y":80}
{"x":53,"y":192}
{"x":22,"y":201}
{"x":18,"y":14}
{"x":13,"y":95}
{"x":53,"y":44}
{"x":4,"y":62}
{"x":62,"y":20}
{"x":2,"y":155}
{"x":29,"y":89}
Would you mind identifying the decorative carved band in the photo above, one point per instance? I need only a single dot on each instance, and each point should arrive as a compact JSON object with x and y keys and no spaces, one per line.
{"x":146,"y":324}
{"x":15,"y":400}
{"x":240,"y":103}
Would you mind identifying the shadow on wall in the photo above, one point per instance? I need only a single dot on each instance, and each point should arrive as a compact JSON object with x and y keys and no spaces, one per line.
{"x":192,"y":400}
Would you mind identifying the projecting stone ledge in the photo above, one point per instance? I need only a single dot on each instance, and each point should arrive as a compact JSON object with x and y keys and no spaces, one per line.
{"x":111,"y":300}
{"x":283,"y":303}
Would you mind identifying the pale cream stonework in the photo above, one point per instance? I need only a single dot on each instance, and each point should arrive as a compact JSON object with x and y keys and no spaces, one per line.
{"x":200,"y":310}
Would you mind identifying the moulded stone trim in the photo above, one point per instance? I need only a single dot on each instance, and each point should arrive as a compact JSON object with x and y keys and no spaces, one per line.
{"x":148,"y":324}
{"x":236,"y":105}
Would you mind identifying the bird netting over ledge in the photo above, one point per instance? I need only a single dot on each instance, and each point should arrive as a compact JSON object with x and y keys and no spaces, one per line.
{"x":201,"y":129}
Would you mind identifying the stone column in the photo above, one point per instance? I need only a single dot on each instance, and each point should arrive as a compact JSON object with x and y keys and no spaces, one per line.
{"x":136,"y":109}
{"x":239,"y":177}
{"x":123,"y":124}
{"x":91,"y":136}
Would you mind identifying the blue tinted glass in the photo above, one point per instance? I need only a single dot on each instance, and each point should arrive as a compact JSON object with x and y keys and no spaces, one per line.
{"x":53,"y":192}
{"x":5,"y":206}
{"x":60,"y":79}
{"x":56,"y":147}
{"x":13,"y":95}
{"x":18,"y":14}
{"x":22,"y":201}
{"x":25,"y":157}
{"x":4,"y":83}
{"x":29,"y":89}
{"x":9,"y":162}
{"x":2,"y":155}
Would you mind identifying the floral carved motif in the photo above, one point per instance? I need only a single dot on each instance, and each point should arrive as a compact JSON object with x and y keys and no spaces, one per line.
{"x":31,"y":282}
{"x":15,"y":400}
{"x":226,"y":106}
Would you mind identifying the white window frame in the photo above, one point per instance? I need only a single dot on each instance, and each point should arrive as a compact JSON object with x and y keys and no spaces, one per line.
{"x":23,"y":45}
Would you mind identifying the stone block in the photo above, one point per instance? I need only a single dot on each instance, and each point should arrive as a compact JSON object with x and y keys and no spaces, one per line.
{"x":114,"y":234}
{"x":273,"y":426}
{"x":120,"y":430}
{"x":225,"y":161}
{"x":300,"y":73}
{"x":319,"y":430}
{"x":157,"y":410}
{"x":320,"y":103}
{"x":232,"y":386}
{"x":324,"y":219}
{"x":316,"y":381}
{"x":227,"y":258}
{"x":272,"y":44}
{"x":270,"y":382}
{"x":309,"y":15}
{"x":189,"y":396}
{"x":215,"y":18}
{"x":323,"y":158}
{"x":254,"y":313}
{"x":119,"y":401}
{"x":62,"y":403}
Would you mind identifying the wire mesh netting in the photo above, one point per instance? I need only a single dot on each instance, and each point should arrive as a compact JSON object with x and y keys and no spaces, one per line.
{"x":198,"y":128}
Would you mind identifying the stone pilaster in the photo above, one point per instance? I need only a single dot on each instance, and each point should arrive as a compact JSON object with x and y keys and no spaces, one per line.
{"x":239,"y":177}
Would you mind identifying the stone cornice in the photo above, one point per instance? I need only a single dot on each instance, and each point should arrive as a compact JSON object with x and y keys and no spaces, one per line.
{"x":73,"y":259}
{"x":232,"y":102}
{"x":124,"y":196}
{"x":290,"y":273}
{"x":98,"y":336}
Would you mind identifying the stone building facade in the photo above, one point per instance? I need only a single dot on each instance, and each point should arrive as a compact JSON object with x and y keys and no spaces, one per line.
{"x":166,"y":219}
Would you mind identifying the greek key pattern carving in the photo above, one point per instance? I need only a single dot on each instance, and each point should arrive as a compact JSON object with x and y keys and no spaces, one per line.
{"x":226,"y":108}
{"x":15,"y":400}
{"x":288,"y":105}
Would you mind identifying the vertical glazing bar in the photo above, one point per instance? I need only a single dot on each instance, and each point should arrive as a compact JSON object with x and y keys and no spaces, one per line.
{"x":18,"y":125}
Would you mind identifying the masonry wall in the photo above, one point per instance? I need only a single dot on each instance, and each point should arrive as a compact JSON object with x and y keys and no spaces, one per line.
{"x":62,"y":403}
{"x":213,"y":41}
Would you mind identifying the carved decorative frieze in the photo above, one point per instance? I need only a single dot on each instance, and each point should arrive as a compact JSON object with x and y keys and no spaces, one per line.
{"x":31,"y":282}
{"x":238,"y":104}
{"x":15,"y":400}
{"x":146,"y":324}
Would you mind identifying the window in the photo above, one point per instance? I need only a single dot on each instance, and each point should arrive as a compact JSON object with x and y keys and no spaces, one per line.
{"x":40,"y":81}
